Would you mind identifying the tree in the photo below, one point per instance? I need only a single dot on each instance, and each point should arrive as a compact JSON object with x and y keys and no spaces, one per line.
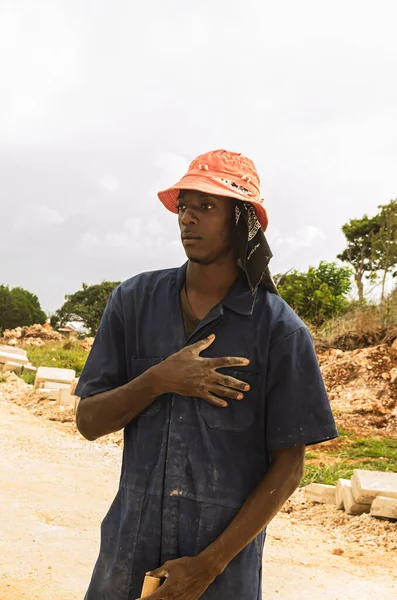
{"x":85,"y":305}
{"x":18,"y":307}
{"x":384,"y":242}
{"x":319,"y":293}
{"x":359,"y":234}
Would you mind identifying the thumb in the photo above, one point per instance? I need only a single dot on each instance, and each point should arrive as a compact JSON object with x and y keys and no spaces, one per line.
{"x":158,"y":573}
{"x":201,"y":345}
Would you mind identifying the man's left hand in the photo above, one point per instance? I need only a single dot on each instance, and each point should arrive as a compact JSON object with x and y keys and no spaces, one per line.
{"x":186,"y":579}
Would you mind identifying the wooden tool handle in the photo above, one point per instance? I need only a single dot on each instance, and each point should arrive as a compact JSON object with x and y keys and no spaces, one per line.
{"x":150,"y":585}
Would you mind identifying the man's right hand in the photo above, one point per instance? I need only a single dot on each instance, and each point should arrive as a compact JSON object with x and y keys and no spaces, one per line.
{"x":188,"y":374}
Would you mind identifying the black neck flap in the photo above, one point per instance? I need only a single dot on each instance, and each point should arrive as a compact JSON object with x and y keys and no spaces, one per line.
{"x":253,"y":249}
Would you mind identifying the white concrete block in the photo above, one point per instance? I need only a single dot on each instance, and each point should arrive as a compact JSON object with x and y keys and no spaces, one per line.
{"x":55,"y":385}
{"x":319,"y":492}
{"x":367,"y":485}
{"x":52,"y":374}
{"x":339,"y":493}
{"x":66,"y":398}
{"x":74,"y":385}
{"x":13,"y":350}
{"x":384,"y":507}
{"x":351,"y":506}
{"x":6,"y":357}
{"x":49,"y":394}
{"x":12,"y":366}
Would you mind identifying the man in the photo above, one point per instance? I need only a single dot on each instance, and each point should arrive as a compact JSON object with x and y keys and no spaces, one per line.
{"x":216,"y":383}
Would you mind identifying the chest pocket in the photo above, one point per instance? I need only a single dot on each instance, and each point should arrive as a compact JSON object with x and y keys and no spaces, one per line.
{"x":139,"y":366}
{"x":240,"y":414}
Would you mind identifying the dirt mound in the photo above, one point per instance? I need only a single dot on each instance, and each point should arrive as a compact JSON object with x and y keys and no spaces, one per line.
{"x":30,"y":335}
{"x":362,"y":386}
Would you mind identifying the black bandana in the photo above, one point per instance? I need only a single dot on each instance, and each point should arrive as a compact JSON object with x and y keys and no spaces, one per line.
{"x":253,"y":250}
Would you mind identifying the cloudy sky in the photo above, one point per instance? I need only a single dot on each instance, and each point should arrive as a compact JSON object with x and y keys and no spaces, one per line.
{"x":103,"y":103}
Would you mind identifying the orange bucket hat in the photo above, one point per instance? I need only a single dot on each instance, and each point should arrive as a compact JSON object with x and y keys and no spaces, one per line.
{"x":221,"y":173}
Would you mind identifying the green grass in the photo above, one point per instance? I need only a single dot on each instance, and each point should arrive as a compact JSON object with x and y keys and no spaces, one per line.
{"x":331,"y":473}
{"x":64,"y":356}
{"x":351,"y":452}
{"x":28,"y":377}
{"x":368,"y":448}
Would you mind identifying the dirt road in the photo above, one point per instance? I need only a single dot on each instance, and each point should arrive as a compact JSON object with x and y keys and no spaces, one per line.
{"x":55,"y":489}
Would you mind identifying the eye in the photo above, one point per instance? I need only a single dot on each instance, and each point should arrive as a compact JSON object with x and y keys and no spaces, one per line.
{"x":181,"y":207}
{"x":207,"y":205}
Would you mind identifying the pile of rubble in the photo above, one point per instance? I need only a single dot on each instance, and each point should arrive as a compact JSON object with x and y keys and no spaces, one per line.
{"x":14,"y":389}
{"x":86,"y":343}
{"x":30,"y":335}
{"x":362,"y":386}
{"x":343,"y":531}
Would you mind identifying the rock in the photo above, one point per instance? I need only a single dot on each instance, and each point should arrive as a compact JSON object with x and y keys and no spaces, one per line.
{"x":384,"y":507}
{"x":393,"y":375}
{"x":367,"y":485}
{"x":319,"y":492}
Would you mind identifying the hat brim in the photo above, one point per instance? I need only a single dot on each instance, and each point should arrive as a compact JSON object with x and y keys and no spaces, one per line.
{"x":207,"y":185}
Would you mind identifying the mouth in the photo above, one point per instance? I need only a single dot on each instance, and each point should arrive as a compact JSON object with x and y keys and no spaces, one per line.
{"x":190,"y":237}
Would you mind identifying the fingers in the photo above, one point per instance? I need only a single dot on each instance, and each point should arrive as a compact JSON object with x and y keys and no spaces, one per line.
{"x":160,"y":572}
{"x":231,"y":382}
{"x":226,"y":392}
{"x":201,"y":345}
{"x":229,"y":361}
{"x":215,"y":401}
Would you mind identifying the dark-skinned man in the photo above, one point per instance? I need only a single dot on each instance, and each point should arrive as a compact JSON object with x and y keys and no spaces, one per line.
{"x":215,"y":381}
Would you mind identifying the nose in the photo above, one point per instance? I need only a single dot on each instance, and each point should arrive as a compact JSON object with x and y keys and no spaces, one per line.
{"x":189,"y":217}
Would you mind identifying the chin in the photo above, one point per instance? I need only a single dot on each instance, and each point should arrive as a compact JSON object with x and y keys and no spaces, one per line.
{"x":198,"y":260}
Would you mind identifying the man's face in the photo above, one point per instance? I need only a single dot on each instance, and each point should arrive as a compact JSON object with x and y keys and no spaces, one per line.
{"x":206,"y":223}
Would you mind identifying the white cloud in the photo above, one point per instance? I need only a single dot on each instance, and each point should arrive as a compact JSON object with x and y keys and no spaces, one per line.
{"x":137,"y":235}
{"x":303,"y":238}
{"x":37,"y":218}
{"x":110,"y":183}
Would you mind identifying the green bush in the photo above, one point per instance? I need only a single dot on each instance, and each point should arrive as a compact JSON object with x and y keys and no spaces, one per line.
{"x":318,"y":294}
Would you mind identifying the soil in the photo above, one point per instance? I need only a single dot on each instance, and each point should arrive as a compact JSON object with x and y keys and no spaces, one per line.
{"x":55,"y":489}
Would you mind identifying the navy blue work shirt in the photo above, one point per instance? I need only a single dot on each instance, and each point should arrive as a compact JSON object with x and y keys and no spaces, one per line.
{"x":188,"y":466}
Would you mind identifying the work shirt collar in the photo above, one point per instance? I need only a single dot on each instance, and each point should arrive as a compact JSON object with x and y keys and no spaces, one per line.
{"x":239,"y":298}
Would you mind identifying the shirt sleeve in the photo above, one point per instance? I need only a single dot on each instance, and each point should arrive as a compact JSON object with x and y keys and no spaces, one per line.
{"x":297,"y":406}
{"x":105,"y":368}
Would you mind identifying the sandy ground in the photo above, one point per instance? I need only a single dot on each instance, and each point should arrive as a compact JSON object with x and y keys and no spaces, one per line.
{"x":55,"y":489}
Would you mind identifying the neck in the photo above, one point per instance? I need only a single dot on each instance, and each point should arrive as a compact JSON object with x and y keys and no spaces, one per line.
{"x":212,"y":281}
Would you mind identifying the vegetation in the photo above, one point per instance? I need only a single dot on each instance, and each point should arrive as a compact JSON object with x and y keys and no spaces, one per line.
{"x":372,"y":246}
{"x":85,"y":305}
{"x":359,"y":235}
{"x":318,"y":294}
{"x":66,"y":356}
{"x":327,"y":463}
{"x":18,"y":307}
{"x":362,"y":324}
{"x":385,"y":243}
